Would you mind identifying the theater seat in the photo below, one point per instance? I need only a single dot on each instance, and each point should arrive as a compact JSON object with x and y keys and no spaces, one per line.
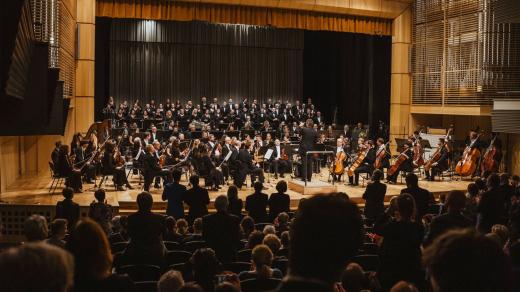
{"x":244,"y":255}
{"x":118,"y":247}
{"x":176,"y":257}
{"x":192,"y":246}
{"x":237,"y":267}
{"x":257,"y":285}
{"x":146,"y":286}
{"x":140,"y":273}
{"x":281,"y":264}
{"x":367,"y":261}
{"x":172,"y":245}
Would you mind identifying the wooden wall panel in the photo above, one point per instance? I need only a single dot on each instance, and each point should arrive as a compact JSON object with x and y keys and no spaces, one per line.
{"x":10,"y":161}
{"x":513,"y":155}
{"x":84,"y":109}
{"x":86,"y":11}
{"x":87,"y":36}
{"x":84,"y":78}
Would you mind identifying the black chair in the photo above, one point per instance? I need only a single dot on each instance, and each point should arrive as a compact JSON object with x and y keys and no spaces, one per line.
{"x":184,"y":269}
{"x":244,"y":255}
{"x":257,"y":285}
{"x":370,"y":248}
{"x":172,"y":245}
{"x":281,"y":264}
{"x":369,"y":262}
{"x":146,"y":286}
{"x":283,"y":252}
{"x":57,"y":179}
{"x":141,"y":273}
{"x":118,"y":246}
{"x":237,"y":267}
{"x":192,"y":246}
{"x":261,"y":226}
{"x":176,"y":257}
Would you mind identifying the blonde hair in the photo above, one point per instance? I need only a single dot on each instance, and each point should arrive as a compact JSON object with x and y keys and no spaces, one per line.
{"x":262,"y":258}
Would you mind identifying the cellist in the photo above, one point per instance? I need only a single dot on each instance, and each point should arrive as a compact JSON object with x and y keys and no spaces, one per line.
{"x":442,"y":162}
{"x":406,"y":165}
{"x":382,"y":151}
{"x":340,"y":147}
{"x":367,"y":165}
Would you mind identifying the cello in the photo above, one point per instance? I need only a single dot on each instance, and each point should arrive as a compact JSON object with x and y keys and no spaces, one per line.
{"x":489,"y":164}
{"x":400,"y":160}
{"x":437,"y":154}
{"x":338,"y":168}
{"x":380,"y":155}
{"x":363,"y":151}
{"x":467,"y":165}
{"x":418,"y":159}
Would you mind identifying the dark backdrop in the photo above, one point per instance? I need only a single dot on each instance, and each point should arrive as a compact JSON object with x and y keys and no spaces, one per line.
{"x":350,"y":72}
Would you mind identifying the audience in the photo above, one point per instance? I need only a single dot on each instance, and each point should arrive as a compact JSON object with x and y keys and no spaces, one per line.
{"x":235,"y":204}
{"x":269,"y":229}
{"x":255,"y":238}
{"x":93,"y":260}
{"x":101,"y":211}
{"x":491,"y":205}
{"x":464,"y":260}
{"x":196,"y":235}
{"x":36,"y":267}
{"x":205,"y":266}
{"x":280,"y":201}
{"x":374,"y":197}
{"x":58,"y":233}
{"x":403,"y":286}
{"x":273,"y":242}
{"x":174,"y":193}
{"x":35,"y":228}
{"x":67,"y":209}
{"x":470,"y":209}
{"x":422,"y":197}
{"x":261,"y":261}
{"x":353,"y":278}
{"x":221,"y":231}
{"x":247,"y":225}
{"x":120,"y":233}
{"x":183,"y":229}
{"x":145,"y":230}
{"x":170,"y":233}
{"x":197,"y":199}
{"x":171,"y":281}
{"x":256,"y":204}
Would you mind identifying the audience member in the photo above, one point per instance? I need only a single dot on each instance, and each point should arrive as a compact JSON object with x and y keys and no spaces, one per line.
{"x":122,"y":231}
{"x":464,"y":260}
{"x":491,"y":205}
{"x":35,"y":228}
{"x":273,"y":242}
{"x":174,"y":193}
{"x":403,"y":286}
{"x":255,"y":238}
{"x":261,"y":259}
{"x":282,"y":222}
{"x":36,"y":267}
{"x":145,"y":230}
{"x":374,"y":197}
{"x":247,"y":225}
{"x":222,"y":231}
{"x":256,"y":204}
{"x":235,"y":204}
{"x":196,"y":235}
{"x":353,"y":278}
{"x":101,"y":211}
{"x":422,"y":197}
{"x":227,"y":287}
{"x":455,"y":203}
{"x":470,"y":210}
{"x":319,"y":253}
{"x":205,"y":265}
{"x":183,"y":229}
{"x":68,"y":209}
{"x":269,"y":229}
{"x":93,"y":260}
{"x":502,"y":232}
{"x":400,"y":242}
{"x":171,"y":233}
{"x":514,"y":217}
{"x":58,"y":233}
{"x":171,"y":281}
{"x":197,"y":198}
{"x":280,"y":201}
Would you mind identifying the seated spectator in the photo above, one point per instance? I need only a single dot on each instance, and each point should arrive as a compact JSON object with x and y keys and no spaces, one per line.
{"x":247,"y":225}
{"x":502,"y":232}
{"x":183,"y":229}
{"x":35,"y":228}
{"x":353,"y":278}
{"x":68,"y":209}
{"x":174,"y":193}
{"x":171,"y":233}
{"x":400,"y":243}
{"x":422,"y":197}
{"x":273,"y":242}
{"x":256,"y":204}
{"x":197,"y":199}
{"x":491,"y":205}
{"x":122,"y":234}
{"x":261,"y":259}
{"x":222,"y":231}
{"x":284,"y":239}
{"x":58,"y":233}
{"x":227,"y":287}
{"x":93,"y":260}
{"x":204,"y":264}
{"x":171,"y":281}
{"x":455,"y":203}
{"x":196,"y":235}
{"x":280,"y":201}
{"x":101,"y":211}
{"x":269,"y":229}
{"x":388,"y":216}
{"x":470,"y":210}
{"x":115,"y":223}
{"x":190,"y":287}
{"x":374,"y":197}
{"x":282,"y":222}
{"x":403,"y":286}
{"x":145,"y":229}
{"x":36,"y":267}
{"x":255,"y":238}
{"x":464,"y":260}
{"x":319,"y":253}
{"x":235,"y":204}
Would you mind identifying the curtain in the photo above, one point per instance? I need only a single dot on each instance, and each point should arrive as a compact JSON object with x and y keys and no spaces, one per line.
{"x":281,"y":18}
{"x":187,"y":60}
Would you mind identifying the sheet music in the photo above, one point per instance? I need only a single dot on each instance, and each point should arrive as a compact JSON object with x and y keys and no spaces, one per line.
{"x":268,"y":154}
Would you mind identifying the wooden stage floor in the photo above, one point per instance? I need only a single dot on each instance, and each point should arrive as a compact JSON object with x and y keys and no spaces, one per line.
{"x":35,"y":191}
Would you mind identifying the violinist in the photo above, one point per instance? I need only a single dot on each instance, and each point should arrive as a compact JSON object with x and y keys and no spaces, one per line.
{"x":442,"y":161}
{"x":382,"y":152}
{"x":153,"y":169}
{"x":279,"y":160}
{"x":110,"y":160}
{"x":65,"y":168}
{"x":367,"y":164}
{"x":404,"y":164}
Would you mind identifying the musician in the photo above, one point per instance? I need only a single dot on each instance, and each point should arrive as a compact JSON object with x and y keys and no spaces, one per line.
{"x":441,"y":164}
{"x":152,"y":168}
{"x":55,"y":153}
{"x":279,"y":160}
{"x":226,"y":148}
{"x":308,"y":139}
{"x":153,"y":135}
{"x":208,"y":169}
{"x":147,"y":139}
{"x":356,"y":133}
{"x":246,"y":166}
{"x":81,"y":161}
{"x":340,"y":148}
{"x":406,"y":166}
{"x":65,"y":168}
{"x":367,"y":164}
{"x":382,"y":151}
{"x":113,"y":167}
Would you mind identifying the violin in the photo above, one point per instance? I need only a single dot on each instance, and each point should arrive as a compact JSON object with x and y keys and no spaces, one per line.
{"x":363,"y":151}
{"x":467,"y":165}
{"x":284,"y":155}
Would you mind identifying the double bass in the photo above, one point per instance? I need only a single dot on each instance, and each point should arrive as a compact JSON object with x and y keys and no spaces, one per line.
{"x":489,"y":163}
{"x":363,"y":151}
{"x":468,"y":163}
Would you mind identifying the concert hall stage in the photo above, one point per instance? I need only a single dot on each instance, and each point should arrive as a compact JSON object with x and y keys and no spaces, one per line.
{"x":35,"y":191}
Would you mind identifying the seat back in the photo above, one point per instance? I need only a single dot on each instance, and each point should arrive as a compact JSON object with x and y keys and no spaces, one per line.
{"x":176,"y":257}
{"x":172,"y":245}
{"x":367,"y":261}
{"x":237,"y":267}
{"x":118,"y":246}
{"x":192,"y":246}
{"x":146,"y":286}
{"x":257,"y":285}
{"x":244,"y":255}
{"x":281,"y":264}
{"x":140,"y":273}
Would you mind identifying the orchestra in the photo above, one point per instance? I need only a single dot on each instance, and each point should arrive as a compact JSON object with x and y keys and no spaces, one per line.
{"x":220,"y":142}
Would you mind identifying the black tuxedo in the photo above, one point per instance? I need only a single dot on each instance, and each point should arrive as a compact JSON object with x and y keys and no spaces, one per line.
{"x":367,"y":166}
{"x":152,"y":169}
{"x":256,"y":205}
{"x":221,"y":231}
{"x":197,"y":199}
{"x":280,"y":165}
{"x":374,"y":197}
{"x":245,"y":167}
{"x":308,"y":140}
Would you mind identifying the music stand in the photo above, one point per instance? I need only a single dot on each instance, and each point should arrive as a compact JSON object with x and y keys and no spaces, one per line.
{"x":400,"y":143}
{"x":425,"y":143}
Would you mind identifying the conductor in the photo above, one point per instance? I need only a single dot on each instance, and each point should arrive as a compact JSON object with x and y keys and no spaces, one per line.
{"x":309,"y":136}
